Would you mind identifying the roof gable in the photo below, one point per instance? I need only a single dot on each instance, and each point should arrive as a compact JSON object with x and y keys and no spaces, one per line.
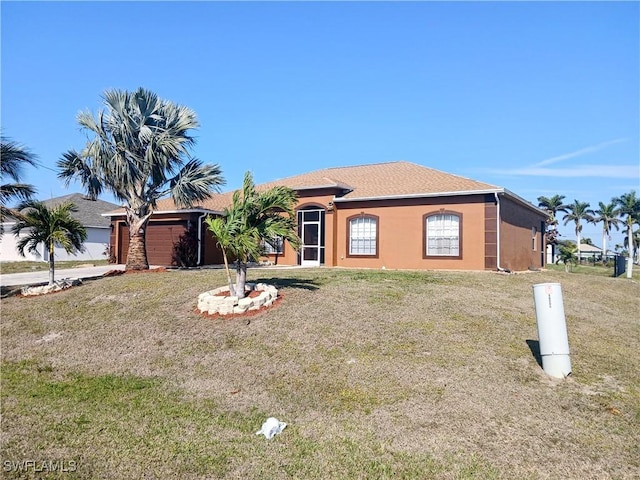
{"x":392,"y":179}
{"x":89,"y":211}
{"x":373,"y":181}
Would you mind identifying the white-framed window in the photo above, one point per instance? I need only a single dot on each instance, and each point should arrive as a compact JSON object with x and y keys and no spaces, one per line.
{"x":442,"y":235}
{"x":534,"y":234}
{"x":363,"y":235}
{"x":276,"y":248}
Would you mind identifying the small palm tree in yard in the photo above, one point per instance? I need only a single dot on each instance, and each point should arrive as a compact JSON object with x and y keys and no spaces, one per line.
{"x":51,"y":226}
{"x":577,"y":213}
{"x":552,"y":206}
{"x":14,"y":157}
{"x":253,"y":219}
{"x":629,"y":208}
{"x":567,"y":255}
{"x":140,"y":153}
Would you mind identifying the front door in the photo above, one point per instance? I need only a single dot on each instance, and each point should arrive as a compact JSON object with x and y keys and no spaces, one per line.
{"x":311,"y":232}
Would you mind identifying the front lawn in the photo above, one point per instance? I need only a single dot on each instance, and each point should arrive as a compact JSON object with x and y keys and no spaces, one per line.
{"x":600,"y":270}
{"x":379,"y":374}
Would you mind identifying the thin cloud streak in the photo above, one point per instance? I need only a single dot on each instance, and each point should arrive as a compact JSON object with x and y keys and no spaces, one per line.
{"x":602,"y":171}
{"x":579,"y":153}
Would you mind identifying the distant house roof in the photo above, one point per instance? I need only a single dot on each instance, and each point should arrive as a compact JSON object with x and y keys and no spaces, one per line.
{"x":586,"y":248}
{"x":89,"y":211}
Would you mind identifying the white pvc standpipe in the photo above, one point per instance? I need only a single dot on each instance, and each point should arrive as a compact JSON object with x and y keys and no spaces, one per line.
{"x":552,"y":329}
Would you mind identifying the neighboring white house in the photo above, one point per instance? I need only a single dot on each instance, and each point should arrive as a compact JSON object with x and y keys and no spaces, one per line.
{"x":89,"y":213}
{"x":586,"y":252}
{"x":589,"y":251}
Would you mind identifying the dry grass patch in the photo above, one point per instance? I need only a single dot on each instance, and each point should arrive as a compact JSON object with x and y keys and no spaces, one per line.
{"x":378,"y":374}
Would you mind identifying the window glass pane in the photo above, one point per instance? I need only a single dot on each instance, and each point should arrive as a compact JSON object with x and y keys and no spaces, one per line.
{"x":443,"y":235}
{"x":310,"y":253}
{"x":312,"y":216}
{"x":310,"y":234}
{"x":278,"y":243}
{"x":362,"y":236}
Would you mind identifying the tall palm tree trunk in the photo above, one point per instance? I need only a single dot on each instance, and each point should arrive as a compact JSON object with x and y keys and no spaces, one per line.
{"x":241,"y":279}
{"x":137,"y":255}
{"x":631,"y":252}
{"x":579,"y":250}
{"x":52,"y":273}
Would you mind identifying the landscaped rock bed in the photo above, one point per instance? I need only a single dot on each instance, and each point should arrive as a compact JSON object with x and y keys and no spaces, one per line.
{"x":57,"y":286}
{"x":219,"y":302}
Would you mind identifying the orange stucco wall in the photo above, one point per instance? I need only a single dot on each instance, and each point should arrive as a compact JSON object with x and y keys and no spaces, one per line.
{"x":401,"y":233}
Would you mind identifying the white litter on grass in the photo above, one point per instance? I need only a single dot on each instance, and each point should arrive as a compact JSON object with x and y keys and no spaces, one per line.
{"x":271,"y":428}
{"x":49,"y":337}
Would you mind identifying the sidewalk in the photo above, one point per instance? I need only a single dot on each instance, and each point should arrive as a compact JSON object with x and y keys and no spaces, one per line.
{"x":42,"y":276}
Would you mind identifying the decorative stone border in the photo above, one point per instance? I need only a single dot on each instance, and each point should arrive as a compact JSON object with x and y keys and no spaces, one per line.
{"x":57,"y":286}
{"x":210,"y":302}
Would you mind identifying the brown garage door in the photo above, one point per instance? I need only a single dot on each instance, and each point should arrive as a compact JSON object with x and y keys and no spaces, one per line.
{"x":161,"y":238}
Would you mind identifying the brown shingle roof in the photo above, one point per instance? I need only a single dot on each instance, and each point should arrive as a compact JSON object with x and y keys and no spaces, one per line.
{"x":381,"y":180}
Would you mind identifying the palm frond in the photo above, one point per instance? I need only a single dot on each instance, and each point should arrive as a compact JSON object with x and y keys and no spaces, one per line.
{"x":21,"y":191}
{"x":195,"y":182}
{"x":49,"y":224}
{"x":14,"y":157}
{"x":138,"y":149}
{"x":73,"y":166}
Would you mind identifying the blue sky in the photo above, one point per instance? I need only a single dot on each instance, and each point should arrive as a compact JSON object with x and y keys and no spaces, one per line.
{"x":541,"y":98}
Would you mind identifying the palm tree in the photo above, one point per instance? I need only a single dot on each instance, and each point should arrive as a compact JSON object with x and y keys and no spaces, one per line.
{"x":608,"y":215}
{"x":50,"y":226}
{"x":140,"y":153}
{"x":577,"y":212}
{"x":14,"y":158}
{"x":636,"y":241}
{"x":252,"y":219}
{"x":567,"y":255}
{"x":629,"y":207}
{"x":552,"y":206}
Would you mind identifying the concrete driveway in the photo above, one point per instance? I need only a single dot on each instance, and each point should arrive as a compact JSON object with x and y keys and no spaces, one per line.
{"x":42,"y":276}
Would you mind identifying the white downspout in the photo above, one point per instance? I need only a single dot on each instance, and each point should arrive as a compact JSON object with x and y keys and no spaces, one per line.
{"x":198,"y":263}
{"x":497,"y":231}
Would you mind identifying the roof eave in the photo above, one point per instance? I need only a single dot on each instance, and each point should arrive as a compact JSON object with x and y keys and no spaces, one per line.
{"x":421,"y":195}
{"x":525,"y":203}
{"x":341,"y":186}
{"x":187,"y":210}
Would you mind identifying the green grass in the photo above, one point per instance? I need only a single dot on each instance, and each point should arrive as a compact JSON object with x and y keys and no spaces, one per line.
{"x":143,"y":419}
{"x":599,"y":270}
{"x":415,"y":375}
{"x":142,"y":427}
